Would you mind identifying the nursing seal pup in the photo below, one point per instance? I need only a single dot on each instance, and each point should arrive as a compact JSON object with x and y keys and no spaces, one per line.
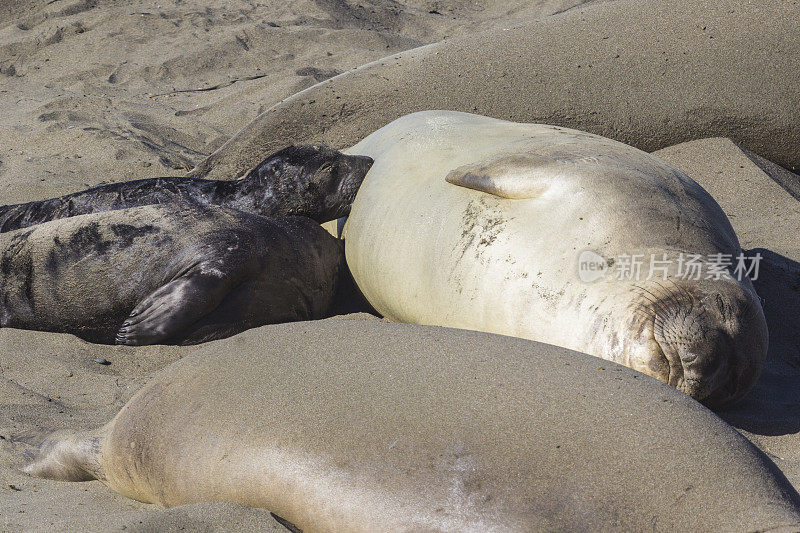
{"x":315,"y":181}
{"x":558,"y":236}
{"x":158,"y":274}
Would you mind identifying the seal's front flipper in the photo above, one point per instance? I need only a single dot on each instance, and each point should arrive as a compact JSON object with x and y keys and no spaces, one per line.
{"x":532,"y":174}
{"x":515,"y":176}
{"x":165,"y":314}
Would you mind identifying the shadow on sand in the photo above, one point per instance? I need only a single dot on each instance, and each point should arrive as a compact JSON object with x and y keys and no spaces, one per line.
{"x":773,"y":406}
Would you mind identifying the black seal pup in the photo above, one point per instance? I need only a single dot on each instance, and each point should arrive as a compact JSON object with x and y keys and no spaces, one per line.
{"x":178,"y":274}
{"x":315,"y":181}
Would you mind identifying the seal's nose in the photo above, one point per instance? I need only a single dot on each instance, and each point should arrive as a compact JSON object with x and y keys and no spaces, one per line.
{"x":358,"y":166}
{"x":352,"y":171}
{"x":705,"y":358}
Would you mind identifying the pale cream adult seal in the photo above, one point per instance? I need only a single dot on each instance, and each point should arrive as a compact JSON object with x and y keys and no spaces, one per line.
{"x":350,"y":425}
{"x":477,"y":223}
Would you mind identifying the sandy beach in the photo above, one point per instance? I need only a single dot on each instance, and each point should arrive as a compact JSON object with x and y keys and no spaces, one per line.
{"x":101,"y":91}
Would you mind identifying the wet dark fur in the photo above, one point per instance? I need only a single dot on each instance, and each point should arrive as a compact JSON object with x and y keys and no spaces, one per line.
{"x":313,"y":181}
{"x":178,"y":274}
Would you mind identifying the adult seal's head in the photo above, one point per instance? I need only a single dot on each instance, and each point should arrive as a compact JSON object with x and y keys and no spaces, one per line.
{"x":558,"y":236}
{"x":708,"y":338}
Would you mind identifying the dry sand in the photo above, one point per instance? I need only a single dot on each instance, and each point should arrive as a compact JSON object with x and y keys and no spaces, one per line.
{"x":103,"y":90}
{"x":650,"y":73}
{"x":97,"y":91}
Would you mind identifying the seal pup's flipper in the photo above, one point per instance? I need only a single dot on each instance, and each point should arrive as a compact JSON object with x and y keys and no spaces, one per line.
{"x":175,"y":306}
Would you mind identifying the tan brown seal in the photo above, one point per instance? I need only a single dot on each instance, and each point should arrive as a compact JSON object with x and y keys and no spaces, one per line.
{"x":350,"y":425}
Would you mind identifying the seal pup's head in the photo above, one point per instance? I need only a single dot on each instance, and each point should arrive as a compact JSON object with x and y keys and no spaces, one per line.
{"x":708,"y":337}
{"x":310,"y":180}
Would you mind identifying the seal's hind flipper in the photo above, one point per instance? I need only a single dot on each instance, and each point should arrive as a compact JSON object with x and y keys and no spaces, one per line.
{"x":167,"y":313}
{"x":68,"y":456}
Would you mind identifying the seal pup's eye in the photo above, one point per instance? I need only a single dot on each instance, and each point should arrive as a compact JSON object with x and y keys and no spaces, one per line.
{"x":327,"y":166}
{"x":720,"y":304}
